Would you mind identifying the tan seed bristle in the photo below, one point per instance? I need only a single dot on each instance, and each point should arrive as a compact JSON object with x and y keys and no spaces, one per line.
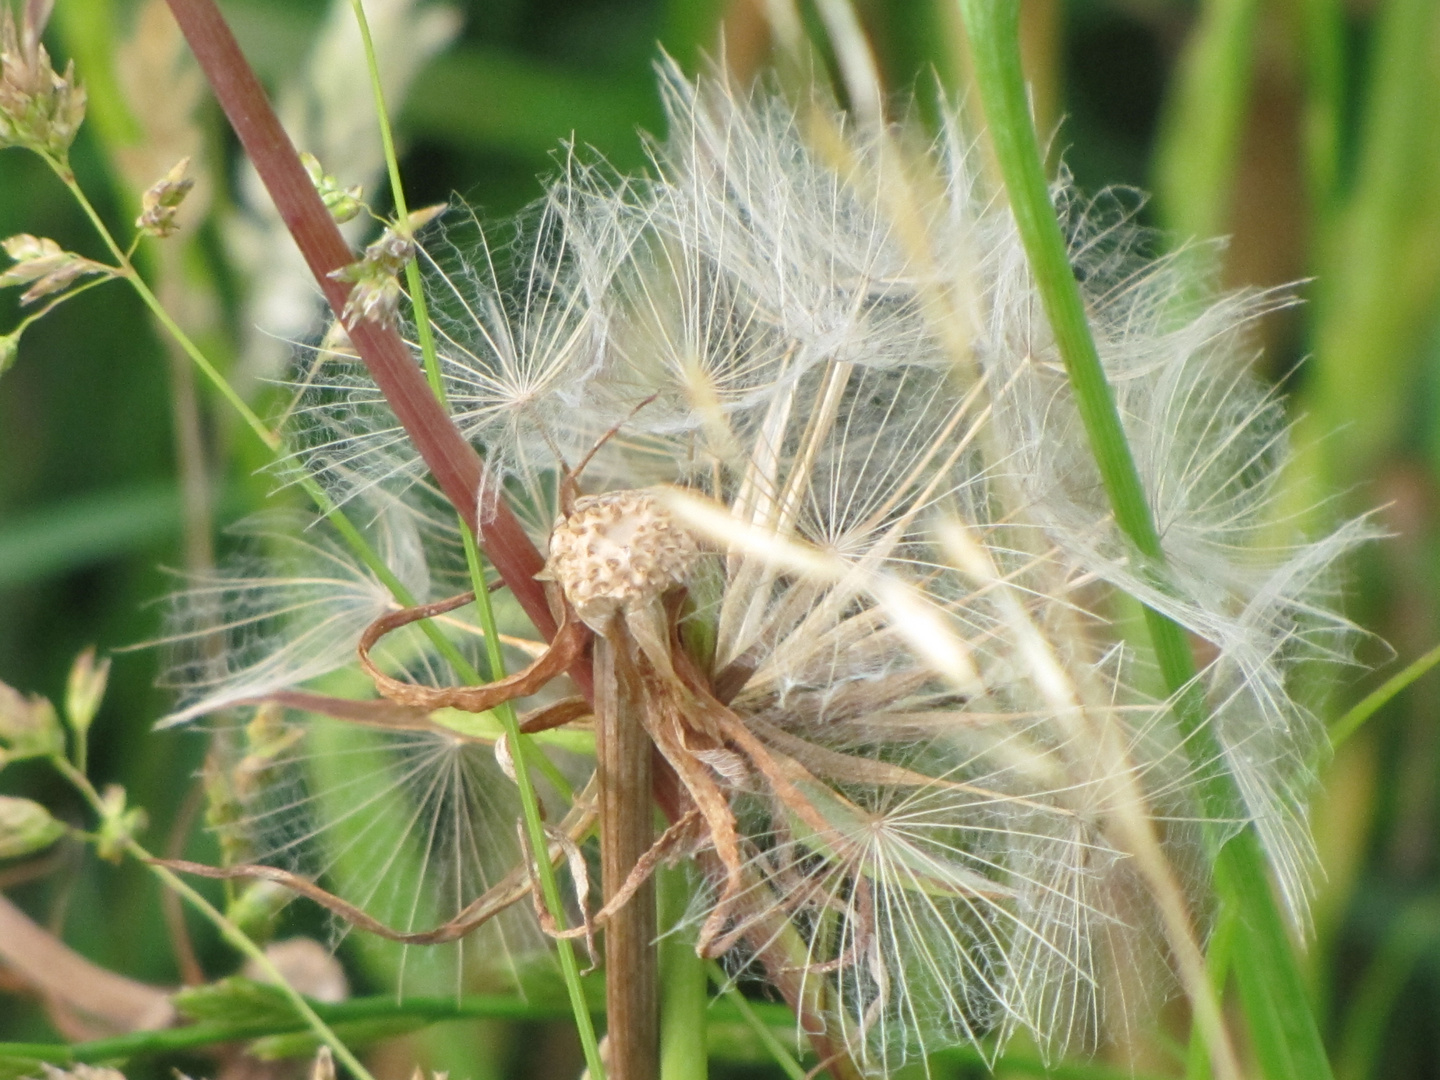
{"x":617,"y":551}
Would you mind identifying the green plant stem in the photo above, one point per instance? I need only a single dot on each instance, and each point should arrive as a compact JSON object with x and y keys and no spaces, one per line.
{"x":128,"y":271}
{"x":228,"y":930}
{"x":761,"y":1019}
{"x":1371,"y":703}
{"x":213,"y":1033}
{"x":381,"y":1007}
{"x":402,"y":210}
{"x":534,"y":822}
{"x":786,"y":1060}
{"x":523,"y":750}
{"x":1272,"y":992}
{"x":272,"y":442}
{"x":69,"y":294}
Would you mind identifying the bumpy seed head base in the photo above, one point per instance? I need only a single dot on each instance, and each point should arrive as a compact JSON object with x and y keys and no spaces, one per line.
{"x":615,"y":553}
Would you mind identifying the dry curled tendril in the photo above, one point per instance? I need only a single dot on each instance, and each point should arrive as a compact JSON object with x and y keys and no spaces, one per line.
{"x":617,"y":568}
{"x":618,"y":563}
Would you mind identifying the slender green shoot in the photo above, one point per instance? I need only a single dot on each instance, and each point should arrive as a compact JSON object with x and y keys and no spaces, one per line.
{"x":1371,"y":703}
{"x":522,"y":751}
{"x":534,"y":823}
{"x":1282,"y":1025}
{"x":402,"y":210}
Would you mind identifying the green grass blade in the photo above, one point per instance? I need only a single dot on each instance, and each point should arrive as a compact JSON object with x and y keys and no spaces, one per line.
{"x":1371,"y":703}
{"x":1283,"y":1030}
{"x":1205,"y":119}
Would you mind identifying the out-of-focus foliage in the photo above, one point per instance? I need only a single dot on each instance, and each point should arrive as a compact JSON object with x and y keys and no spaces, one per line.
{"x":1306,"y":130}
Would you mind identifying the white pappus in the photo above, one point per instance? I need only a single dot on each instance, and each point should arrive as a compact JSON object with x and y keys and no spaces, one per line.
{"x":895,"y":685}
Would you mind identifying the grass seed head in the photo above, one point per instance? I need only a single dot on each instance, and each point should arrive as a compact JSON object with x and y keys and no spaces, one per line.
{"x":40,"y":108}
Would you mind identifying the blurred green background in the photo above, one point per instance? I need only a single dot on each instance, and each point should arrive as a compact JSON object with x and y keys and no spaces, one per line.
{"x":1308,"y":131}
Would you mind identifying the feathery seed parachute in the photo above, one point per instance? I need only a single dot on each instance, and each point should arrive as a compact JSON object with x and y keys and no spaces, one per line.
{"x":851,"y":533}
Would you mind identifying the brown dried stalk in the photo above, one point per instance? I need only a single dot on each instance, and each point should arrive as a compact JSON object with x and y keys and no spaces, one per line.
{"x":623,"y":766}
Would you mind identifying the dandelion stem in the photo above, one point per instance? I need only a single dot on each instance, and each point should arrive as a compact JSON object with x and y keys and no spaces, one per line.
{"x":228,"y":930}
{"x":1281,"y":1022}
{"x":623,"y":768}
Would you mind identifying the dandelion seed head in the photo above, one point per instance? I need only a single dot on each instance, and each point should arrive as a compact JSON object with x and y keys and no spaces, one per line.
{"x":822,"y":396}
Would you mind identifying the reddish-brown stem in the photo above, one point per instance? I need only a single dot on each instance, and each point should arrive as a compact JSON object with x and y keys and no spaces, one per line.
{"x":451,"y":459}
